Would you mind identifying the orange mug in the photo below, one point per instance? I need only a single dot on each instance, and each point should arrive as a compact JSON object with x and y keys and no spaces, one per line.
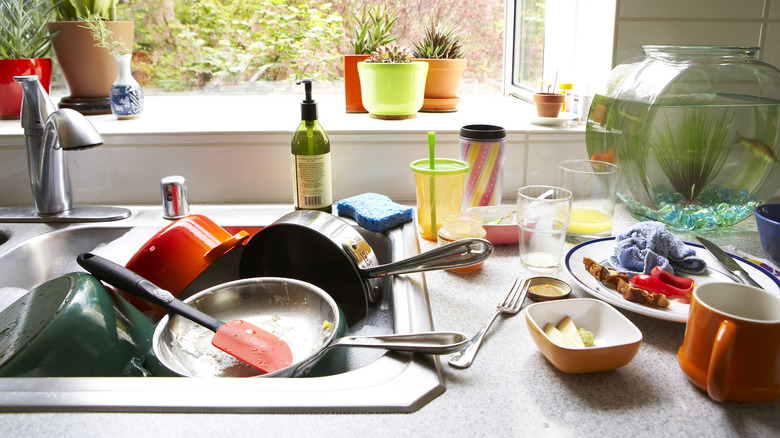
{"x":732,"y":343}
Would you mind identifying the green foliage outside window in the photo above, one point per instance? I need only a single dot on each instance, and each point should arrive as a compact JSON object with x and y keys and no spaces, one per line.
{"x":183,"y":45}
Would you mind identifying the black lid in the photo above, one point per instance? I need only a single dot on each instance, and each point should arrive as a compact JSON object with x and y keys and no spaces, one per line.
{"x":483,"y":132}
{"x":308,"y":106}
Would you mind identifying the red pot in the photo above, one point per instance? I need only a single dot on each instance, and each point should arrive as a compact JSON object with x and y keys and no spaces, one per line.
{"x":11,"y":91}
{"x":175,"y":256}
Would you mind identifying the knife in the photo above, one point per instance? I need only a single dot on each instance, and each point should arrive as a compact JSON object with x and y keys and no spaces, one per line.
{"x":728,"y":262}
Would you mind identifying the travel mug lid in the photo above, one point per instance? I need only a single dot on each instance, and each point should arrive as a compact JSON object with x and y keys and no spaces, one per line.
{"x":483,"y":132}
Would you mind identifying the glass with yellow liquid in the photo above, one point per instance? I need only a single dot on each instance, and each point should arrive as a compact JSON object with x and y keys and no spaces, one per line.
{"x":593,"y":186}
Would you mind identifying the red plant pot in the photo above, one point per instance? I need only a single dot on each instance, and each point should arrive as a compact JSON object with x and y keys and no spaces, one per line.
{"x":11,"y":91}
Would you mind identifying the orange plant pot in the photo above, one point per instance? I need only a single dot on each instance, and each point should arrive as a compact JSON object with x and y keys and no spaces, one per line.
{"x":352,"y":93}
{"x":441,"y":85}
{"x":11,"y":91}
{"x":548,"y":104}
{"x":88,"y":70}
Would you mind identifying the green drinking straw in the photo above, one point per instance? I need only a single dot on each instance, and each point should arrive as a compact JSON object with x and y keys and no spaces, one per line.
{"x":432,"y":182}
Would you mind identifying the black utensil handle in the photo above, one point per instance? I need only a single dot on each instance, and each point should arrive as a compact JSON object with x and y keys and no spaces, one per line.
{"x":132,"y":283}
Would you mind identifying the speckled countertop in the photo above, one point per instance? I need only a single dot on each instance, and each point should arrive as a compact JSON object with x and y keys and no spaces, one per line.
{"x":510,"y":390}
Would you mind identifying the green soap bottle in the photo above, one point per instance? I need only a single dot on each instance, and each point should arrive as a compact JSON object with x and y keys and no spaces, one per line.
{"x":311,"y":159}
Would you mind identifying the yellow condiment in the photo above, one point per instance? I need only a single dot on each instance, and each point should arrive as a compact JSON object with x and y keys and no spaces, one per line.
{"x":546,"y":290}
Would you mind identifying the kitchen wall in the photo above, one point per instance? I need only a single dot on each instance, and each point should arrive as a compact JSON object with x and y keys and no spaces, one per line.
{"x":699,"y":22}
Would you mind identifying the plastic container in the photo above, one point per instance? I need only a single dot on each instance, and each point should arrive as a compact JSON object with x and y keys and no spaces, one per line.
{"x":461,"y":225}
{"x":439,"y":191}
{"x":484,"y":148}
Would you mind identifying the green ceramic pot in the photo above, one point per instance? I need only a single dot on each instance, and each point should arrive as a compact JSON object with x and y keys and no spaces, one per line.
{"x":393,"y":89}
{"x":72,"y":327}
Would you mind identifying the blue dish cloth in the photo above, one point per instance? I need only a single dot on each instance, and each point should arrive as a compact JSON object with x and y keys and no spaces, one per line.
{"x":374,"y":212}
{"x":650,"y":244}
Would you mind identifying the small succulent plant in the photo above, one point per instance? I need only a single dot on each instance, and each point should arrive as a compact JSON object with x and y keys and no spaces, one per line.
{"x":391,"y":54}
{"x":440,"y":41}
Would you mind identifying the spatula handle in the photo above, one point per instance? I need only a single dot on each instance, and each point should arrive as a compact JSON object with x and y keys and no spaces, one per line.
{"x":132,"y":283}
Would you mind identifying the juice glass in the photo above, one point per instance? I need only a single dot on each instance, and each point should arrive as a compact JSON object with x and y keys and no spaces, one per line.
{"x":593,"y":186}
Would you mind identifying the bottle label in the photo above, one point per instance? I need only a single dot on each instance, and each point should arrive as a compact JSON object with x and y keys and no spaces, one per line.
{"x":311,"y":181}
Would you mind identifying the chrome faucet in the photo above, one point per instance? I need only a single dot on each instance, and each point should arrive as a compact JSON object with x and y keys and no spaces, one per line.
{"x":48,"y":133}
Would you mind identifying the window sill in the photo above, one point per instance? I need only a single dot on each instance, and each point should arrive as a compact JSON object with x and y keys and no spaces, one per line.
{"x":280,"y":114}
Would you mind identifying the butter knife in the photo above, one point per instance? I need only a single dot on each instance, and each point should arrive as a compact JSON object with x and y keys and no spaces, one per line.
{"x":728,"y":262}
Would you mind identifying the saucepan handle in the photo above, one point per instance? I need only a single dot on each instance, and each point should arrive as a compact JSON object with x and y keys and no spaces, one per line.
{"x":458,"y":254}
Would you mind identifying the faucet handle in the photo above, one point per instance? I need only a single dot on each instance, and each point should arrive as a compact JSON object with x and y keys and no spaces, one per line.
{"x":175,"y":198}
{"x":36,"y":104}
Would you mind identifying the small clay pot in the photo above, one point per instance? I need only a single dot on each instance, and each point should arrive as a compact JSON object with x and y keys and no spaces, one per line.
{"x":548,"y":104}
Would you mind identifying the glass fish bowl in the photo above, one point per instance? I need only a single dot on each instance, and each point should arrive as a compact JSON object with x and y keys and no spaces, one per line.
{"x":695,"y":131}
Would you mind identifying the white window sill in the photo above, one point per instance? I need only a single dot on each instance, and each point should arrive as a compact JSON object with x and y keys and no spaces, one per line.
{"x":280,"y":114}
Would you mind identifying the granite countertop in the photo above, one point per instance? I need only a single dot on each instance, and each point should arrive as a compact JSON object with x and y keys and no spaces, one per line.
{"x":510,"y":390}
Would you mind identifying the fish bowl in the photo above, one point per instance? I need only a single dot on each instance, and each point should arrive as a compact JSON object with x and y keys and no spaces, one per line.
{"x":695,"y":131}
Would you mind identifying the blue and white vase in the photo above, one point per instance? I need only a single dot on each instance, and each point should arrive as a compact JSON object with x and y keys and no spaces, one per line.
{"x":127,"y":97}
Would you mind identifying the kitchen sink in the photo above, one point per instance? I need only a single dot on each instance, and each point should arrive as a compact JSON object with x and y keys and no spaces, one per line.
{"x":375,"y":381}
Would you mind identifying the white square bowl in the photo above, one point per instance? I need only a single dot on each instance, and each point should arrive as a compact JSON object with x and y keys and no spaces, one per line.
{"x":616,"y":342}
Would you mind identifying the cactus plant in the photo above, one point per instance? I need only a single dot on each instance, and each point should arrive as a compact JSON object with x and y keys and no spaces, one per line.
{"x":440,"y":41}
{"x":391,"y":54}
{"x":373,"y":29}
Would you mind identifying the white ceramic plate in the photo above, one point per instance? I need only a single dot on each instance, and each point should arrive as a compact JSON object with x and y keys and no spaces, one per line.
{"x":601,"y":249}
{"x":553,"y":121}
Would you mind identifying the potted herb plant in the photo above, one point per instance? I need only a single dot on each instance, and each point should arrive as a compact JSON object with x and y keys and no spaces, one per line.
{"x":24,"y":45}
{"x":89,"y":70}
{"x":442,"y":49}
{"x":372,"y":29}
{"x":548,"y":103}
{"x":392,"y":85}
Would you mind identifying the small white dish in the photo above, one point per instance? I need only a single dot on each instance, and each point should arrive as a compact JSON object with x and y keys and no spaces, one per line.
{"x":616,"y":339}
{"x":553,"y":121}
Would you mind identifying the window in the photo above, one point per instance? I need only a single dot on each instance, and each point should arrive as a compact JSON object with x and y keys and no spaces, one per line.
{"x":263,"y":46}
{"x":557,"y":41}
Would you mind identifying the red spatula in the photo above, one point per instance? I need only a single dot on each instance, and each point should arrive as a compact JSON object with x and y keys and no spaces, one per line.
{"x":240,"y":339}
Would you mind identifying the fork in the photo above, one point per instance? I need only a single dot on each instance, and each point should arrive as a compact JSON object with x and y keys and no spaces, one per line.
{"x":511,"y":304}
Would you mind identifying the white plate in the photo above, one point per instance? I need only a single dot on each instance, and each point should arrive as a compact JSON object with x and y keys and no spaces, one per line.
{"x":553,"y":121}
{"x":601,"y":249}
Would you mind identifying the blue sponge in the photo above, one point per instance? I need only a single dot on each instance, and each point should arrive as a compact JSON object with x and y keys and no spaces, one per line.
{"x":374,"y":212}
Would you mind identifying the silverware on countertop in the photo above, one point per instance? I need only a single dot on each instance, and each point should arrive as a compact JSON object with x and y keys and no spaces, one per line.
{"x":511,"y":304}
{"x":728,"y":262}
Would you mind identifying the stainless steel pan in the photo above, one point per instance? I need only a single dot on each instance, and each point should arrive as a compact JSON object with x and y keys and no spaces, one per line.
{"x":303,"y":315}
{"x":325,"y":250}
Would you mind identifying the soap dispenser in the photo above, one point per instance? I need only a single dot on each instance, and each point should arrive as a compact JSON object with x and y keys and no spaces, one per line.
{"x":311,"y":159}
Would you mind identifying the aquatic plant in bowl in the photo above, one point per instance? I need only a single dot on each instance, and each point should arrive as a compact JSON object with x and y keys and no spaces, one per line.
{"x":694,"y":131}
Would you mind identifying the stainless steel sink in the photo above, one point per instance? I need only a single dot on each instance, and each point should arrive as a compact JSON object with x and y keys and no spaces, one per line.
{"x":393,"y":382}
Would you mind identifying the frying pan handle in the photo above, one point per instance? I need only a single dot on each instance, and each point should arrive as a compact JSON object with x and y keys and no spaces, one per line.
{"x":424,"y":342}
{"x":457,"y":254}
{"x":132,"y":283}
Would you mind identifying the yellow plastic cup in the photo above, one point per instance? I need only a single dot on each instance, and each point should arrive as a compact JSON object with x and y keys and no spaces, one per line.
{"x":439,"y":191}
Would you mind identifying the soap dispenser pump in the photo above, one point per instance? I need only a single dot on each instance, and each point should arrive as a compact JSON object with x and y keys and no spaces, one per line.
{"x":311,"y":168}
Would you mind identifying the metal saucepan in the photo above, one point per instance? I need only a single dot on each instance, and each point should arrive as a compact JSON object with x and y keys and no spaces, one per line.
{"x":302,"y":314}
{"x":325,"y":250}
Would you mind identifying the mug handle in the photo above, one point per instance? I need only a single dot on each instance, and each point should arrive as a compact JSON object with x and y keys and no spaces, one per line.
{"x":720,"y":358}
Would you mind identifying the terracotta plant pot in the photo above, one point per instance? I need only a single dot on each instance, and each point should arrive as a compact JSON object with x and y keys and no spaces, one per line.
{"x":88,"y":70}
{"x":11,"y":91}
{"x":352,"y":95}
{"x":392,"y":91}
{"x":548,"y":104}
{"x":441,"y":85}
